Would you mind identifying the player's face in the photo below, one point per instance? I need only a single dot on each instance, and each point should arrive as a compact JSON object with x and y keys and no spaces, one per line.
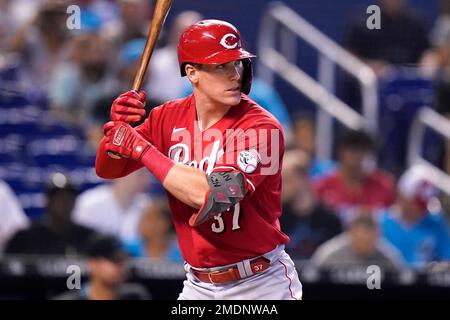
{"x":363,"y":240}
{"x":108,"y":272}
{"x":221,"y":82}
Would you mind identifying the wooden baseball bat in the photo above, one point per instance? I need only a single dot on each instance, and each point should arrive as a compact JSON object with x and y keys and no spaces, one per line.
{"x":162,"y":8}
{"x":159,"y":15}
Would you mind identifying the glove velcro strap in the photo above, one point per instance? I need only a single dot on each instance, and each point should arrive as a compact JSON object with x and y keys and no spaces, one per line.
{"x":226,"y":189}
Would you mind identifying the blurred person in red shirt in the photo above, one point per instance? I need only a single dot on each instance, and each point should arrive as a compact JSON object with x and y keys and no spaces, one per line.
{"x":356,"y":185}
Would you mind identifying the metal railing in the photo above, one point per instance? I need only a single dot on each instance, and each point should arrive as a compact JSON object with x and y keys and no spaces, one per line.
{"x":428,"y":118}
{"x":283,"y":63}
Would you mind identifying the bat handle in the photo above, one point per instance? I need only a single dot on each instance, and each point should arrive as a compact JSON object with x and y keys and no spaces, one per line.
{"x":137,"y":85}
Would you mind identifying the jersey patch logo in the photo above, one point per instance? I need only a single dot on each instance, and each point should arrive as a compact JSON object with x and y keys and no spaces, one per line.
{"x":229,"y":41}
{"x":248,"y":160}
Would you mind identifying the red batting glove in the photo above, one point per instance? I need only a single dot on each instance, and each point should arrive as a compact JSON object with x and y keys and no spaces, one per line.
{"x":129,"y":107}
{"x":124,"y":140}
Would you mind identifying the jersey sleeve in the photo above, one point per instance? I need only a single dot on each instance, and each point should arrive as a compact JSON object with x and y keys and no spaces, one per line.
{"x":256,"y":152}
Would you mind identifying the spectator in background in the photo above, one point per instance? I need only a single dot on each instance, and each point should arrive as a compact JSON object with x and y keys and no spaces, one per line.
{"x":12,"y":216}
{"x":15,"y":14}
{"x":444,"y":199}
{"x":115,"y":209}
{"x":165,"y":82}
{"x":55,"y":233}
{"x":128,"y":62}
{"x":268,"y":98}
{"x":306,"y":221}
{"x":107,"y":267}
{"x":106,"y":10}
{"x":42,"y":43}
{"x":4,"y":24}
{"x":356,"y":186}
{"x":436,"y":66}
{"x":78,"y":84}
{"x":436,"y":61}
{"x":401,"y":40}
{"x":420,"y":235}
{"x":157,"y":239}
{"x":133,"y":23}
{"x":7,"y":24}
{"x":359,"y":246}
{"x":305,"y":140}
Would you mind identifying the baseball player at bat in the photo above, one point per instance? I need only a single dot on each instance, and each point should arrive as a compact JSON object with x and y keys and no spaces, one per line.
{"x":218,"y":154}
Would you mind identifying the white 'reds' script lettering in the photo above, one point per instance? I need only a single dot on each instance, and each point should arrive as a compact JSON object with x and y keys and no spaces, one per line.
{"x":180,"y":153}
{"x":265,"y":142}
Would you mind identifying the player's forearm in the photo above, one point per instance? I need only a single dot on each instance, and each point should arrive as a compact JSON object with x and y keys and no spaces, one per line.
{"x":187,"y":184}
{"x":109,"y":168}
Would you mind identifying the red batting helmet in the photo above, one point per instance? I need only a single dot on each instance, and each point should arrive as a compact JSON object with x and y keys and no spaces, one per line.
{"x":211,"y":42}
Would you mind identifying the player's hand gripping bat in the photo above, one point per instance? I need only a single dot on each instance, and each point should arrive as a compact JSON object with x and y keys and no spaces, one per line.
{"x":162,"y":8}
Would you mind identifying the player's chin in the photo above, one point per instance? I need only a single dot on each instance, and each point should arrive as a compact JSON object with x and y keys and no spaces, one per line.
{"x":232,"y":98}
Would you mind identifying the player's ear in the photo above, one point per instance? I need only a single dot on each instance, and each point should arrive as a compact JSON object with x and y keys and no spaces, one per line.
{"x":191,"y":73}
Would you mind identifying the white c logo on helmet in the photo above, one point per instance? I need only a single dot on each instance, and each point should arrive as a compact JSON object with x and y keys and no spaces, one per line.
{"x":226,"y":43}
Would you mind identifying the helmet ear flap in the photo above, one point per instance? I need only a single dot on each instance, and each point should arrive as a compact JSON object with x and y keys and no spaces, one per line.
{"x":182,"y":69}
{"x":247,"y":76}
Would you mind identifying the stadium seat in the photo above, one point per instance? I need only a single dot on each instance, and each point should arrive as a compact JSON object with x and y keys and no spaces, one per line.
{"x":400,"y":98}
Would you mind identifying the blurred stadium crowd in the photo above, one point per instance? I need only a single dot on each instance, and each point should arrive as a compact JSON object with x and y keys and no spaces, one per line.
{"x":365,"y":205}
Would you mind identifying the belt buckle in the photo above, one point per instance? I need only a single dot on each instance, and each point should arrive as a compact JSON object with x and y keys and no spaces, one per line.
{"x":209,"y":276}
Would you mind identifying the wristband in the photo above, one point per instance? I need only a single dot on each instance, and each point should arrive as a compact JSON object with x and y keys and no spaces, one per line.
{"x":157,"y":163}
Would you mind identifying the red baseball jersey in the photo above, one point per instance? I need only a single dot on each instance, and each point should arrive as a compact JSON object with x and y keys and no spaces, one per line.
{"x":377,"y":191}
{"x":248,"y":139}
